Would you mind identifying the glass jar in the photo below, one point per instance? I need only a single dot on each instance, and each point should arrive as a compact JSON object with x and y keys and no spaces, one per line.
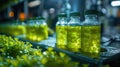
{"x":61,"y":31}
{"x":74,"y":32}
{"x":19,"y":28}
{"x":91,"y":34}
{"x":42,"y":28}
{"x":36,"y":29}
{"x":16,"y":28}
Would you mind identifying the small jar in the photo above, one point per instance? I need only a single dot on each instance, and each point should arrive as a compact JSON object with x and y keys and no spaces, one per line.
{"x":16,"y":28}
{"x":91,"y":34}
{"x":61,"y":31}
{"x":36,"y":29}
{"x":74,"y":32}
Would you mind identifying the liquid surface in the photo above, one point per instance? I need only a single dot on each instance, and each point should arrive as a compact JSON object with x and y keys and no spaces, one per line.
{"x":91,"y":40}
{"x":61,"y":36}
{"x":74,"y":38}
{"x":37,"y":32}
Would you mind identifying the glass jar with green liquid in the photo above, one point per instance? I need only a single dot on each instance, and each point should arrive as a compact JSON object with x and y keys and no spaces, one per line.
{"x":19,"y":28}
{"x":91,"y":35}
{"x":15,"y":28}
{"x":74,"y":33}
{"x":61,"y":31}
{"x":36,"y":29}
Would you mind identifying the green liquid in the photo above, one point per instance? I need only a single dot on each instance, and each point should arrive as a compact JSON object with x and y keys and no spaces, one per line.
{"x":61,"y":36}
{"x":74,"y":38}
{"x":91,"y":41}
{"x":18,"y":30}
{"x":13,"y":30}
{"x":37,"y":32}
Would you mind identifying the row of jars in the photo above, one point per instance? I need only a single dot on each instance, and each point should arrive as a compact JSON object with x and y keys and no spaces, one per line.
{"x":35,"y":29}
{"x":13,"y":28}
{"x":76,"y":36}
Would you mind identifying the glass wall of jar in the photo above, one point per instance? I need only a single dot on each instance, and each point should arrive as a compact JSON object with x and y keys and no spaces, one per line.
{"x":36,"y":29}
{"x":13,"y":28}
{"x":18,"y":28}
{"x":91,"y":34}
{"x":74,"y":32}
{"x":61,"y":31}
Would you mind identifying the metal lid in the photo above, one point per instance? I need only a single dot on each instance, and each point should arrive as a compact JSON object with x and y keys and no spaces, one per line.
{"x":40,"y":18}
{"x":31,"y":18}
{"x":75,"y":14}
{"x":62,"y":15}
{"x":91,"y":12}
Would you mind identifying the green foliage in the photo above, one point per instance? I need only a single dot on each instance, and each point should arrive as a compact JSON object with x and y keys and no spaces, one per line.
{"x":15,"y":53}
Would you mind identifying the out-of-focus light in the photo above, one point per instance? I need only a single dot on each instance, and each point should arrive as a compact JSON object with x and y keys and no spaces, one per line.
{"x":104,"y":10}
{"x":52,"y":10}
{"x":34,"y":3}
{"x":22,"y":16}
{"x":11,"y":14}
{"x":115,"y":3}
{"x":99,"y":2}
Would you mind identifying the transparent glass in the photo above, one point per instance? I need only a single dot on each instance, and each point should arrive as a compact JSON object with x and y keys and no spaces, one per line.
{"x":91,"y":36}
{"x":19,"y":28}
{"x":91,"y":20}
{"x":74,"y":34}
{"x":16,"y":28}
{"x":61,"y":32}
{"x":36,"y":30}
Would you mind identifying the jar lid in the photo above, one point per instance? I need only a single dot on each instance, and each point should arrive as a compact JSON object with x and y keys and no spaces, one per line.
{"x":91,"y":12}
{"x":40,"y":18}
{"x":31,"y":18}
{"x":62,"y":15}
{"x":75,"y":14}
